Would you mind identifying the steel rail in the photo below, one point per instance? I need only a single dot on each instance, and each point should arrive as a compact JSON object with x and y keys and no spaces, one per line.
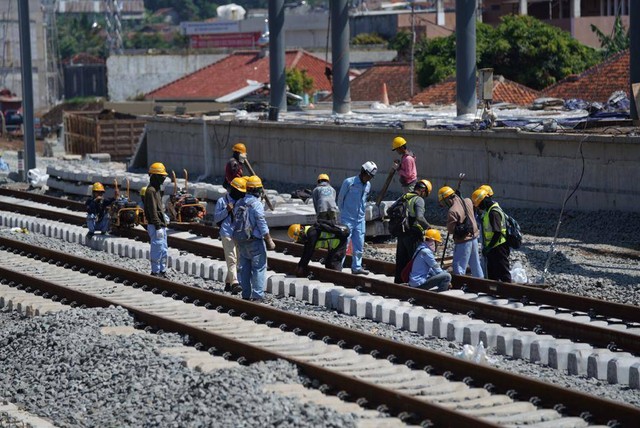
{"x":546,"y":395}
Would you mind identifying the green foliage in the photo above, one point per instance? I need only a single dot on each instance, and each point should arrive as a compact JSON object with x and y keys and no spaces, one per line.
{"x":618,"y":41}
{"x":401,"y":43}
{"x":521,"y":48}
{"x":368,"y":39}
{"x":299,"y":82}
{"x":187,"y":10}
{"x":76,"y":35}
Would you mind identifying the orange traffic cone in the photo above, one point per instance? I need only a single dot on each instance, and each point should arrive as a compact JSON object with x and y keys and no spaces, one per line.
{"x":385,"y":97}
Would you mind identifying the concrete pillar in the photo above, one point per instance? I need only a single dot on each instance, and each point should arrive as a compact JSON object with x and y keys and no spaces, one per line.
{"x":277,"y":76}
{"x":340,"y":55}
{"x":634,"y":51}
{"x":27,"y":86}
{"x":466,"y":101}
{"x":523,"y":7}
{"x":440,"y":13}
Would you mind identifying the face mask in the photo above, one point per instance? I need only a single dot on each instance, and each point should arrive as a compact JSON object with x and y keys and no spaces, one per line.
{"x":242,"y":157}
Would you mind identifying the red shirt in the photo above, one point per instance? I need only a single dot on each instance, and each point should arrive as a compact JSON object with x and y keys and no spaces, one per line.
{"x":407,"y":170}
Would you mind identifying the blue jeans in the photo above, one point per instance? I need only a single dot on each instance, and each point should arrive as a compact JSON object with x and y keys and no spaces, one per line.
{"x":100,"y":226}
{"x":356,"y":235}
{"x":252,"y":268}
{"x":440,"y":280}
{"x":466,"y":254}
{"x":158,"y":251}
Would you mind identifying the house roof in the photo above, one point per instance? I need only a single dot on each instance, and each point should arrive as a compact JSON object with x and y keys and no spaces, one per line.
{"x":368,"y":86}
{"x":232,"y":72}
{"x":504,"y":90}
{"x":596,"y":83}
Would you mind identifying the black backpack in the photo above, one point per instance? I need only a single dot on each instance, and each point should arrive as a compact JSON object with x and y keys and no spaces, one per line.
{"x":514,"y":235}
{"x":398,"y":215}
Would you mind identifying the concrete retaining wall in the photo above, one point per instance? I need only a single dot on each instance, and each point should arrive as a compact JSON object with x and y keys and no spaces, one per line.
{"x":525,"y":169}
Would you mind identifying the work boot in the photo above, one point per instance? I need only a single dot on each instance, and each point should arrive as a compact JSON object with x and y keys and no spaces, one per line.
{"x":236,"y":289}
{"x":89,"y":235}
{"x":360,"y":272}
{"x":302,"y":272}
{"x":227,"y":287}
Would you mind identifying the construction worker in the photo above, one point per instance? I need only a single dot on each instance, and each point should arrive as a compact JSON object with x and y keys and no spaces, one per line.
{"x":157,"y":220}
{"x":98,"y":211}
{"x":351,"y":203}
{"x":408,"y":240}
{"x":406,"y":165}
{"x":252,"y":252}
{"x":426,"y":272}
{"x":494,"y":236}
{"x":462,"y":226}
{"x":324,"y":200}
{"x":234,"y":165}
{"x":223,"y":217}
{"x":316,"y":236}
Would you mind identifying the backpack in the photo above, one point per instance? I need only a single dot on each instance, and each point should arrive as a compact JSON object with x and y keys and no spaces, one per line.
{"x":398,"y":215}
{"x":464,"y":229}
{"x":406,"y":271}
{"x":514,"y":235}
{"x":241,"y":227}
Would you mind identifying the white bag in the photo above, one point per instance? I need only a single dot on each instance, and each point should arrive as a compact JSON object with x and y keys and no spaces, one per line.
{"x":518,"y":274}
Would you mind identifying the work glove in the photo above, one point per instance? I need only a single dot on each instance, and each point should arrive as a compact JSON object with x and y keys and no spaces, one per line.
{"x":270,"y":244}
{"x":160,"y":233}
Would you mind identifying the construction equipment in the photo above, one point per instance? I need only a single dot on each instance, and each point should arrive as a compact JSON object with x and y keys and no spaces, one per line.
{"x":446,"y":241}
{"x":182,"y":206}
{"x":124,"y":213}
{"x":264,"y":195}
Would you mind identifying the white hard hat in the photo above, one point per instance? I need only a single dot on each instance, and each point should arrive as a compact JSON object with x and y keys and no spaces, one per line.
{"x":370,"y":168}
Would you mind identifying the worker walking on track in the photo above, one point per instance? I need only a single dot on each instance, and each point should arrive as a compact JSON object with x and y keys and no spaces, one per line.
{"x":251,"y":233}
{"x":223,"y":217}
{"x":417,"y":224}
{"x":462,"y":226}
{"x":235,"y":164}
{"x":494,"y":236}
{"x":98,"y":211}
{"x":351,"y":203}
{"x":320,"y":236}
{"x":406,"y":165}
{"x":426,"y":272}
{"x":157,"y":220}
{"x":324,"y":200}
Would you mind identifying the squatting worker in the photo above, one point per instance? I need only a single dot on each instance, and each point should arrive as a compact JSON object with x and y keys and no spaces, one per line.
{"x":157,"y":219}
{"x":426,"y":272}
{"x":235,"y":164}
{"x":461,"y":224}
{"x":324,"y":200}
{"x":351,"y":203}
{"x":223,"y":217}
{"x":98,"y":210}
{"x":406,"y":165}
{"x":333,"y":239}
{"x":252,"y":252}
{"x":408,"y":240}
{"x":494,"y":236}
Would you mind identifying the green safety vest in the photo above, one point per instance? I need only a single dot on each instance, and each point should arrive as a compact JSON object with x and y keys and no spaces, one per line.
{"x":487,"y":232}
{"x":326,"y":240}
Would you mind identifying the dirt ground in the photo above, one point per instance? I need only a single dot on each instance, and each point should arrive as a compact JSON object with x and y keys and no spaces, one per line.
{"x":17,"y":143}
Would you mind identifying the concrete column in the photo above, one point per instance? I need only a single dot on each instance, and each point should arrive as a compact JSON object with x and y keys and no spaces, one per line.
{"x":440,"y":13}
{"x":277,"y":76}
{"x":340,"y":55}
{"x":634,"y":51}
{"x":466,"y":101}
{"x":27,"y":86}
{"x":523,"y":7}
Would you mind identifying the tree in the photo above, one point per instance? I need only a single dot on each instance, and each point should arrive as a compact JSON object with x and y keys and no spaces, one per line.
{"x":298,"y":82}
{"x":618,"y":41}
{"x":401,"y":43}
{"x":80,"y":35}
{"x":368,"y":39}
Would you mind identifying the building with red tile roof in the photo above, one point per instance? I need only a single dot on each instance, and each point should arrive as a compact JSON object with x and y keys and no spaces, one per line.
{"x":231,"y":73}
{"x":504,"y":90}
{"x":597,"y":83}
{"x":396,"y":75}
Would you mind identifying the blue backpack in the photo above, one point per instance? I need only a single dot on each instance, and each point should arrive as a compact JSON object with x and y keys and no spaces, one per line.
{"x":241,"y":227}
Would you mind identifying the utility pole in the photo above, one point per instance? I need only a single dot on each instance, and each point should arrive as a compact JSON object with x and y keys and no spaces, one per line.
{"x":413,"y":44}
{"x":27,"y":86}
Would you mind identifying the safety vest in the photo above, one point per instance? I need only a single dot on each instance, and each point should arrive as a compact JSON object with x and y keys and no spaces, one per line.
{"x":488,"y":232}
{"x":325,"y":240}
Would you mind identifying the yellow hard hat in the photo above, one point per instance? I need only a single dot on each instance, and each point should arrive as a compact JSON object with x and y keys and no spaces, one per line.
{"x":97,"y":187}
{"x":158,"y":168}
{"x":240,"y":148}
{"x":487,"y":188}
{"x":323,"y":177}
{"x":239,"y":183}
{"x":143,"y":191}
{"x":294,"y":231}
{"x":444,"y":193}
{"x":434,"y":235}
{"x":398,"y":142}
{"x":478,"y":196}
{"x":254,"y":182}
{"x":426,"y":184}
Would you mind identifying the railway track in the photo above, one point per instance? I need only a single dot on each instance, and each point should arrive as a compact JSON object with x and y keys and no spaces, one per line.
{"x":418,"y":385}
{"x":534,"y":309}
